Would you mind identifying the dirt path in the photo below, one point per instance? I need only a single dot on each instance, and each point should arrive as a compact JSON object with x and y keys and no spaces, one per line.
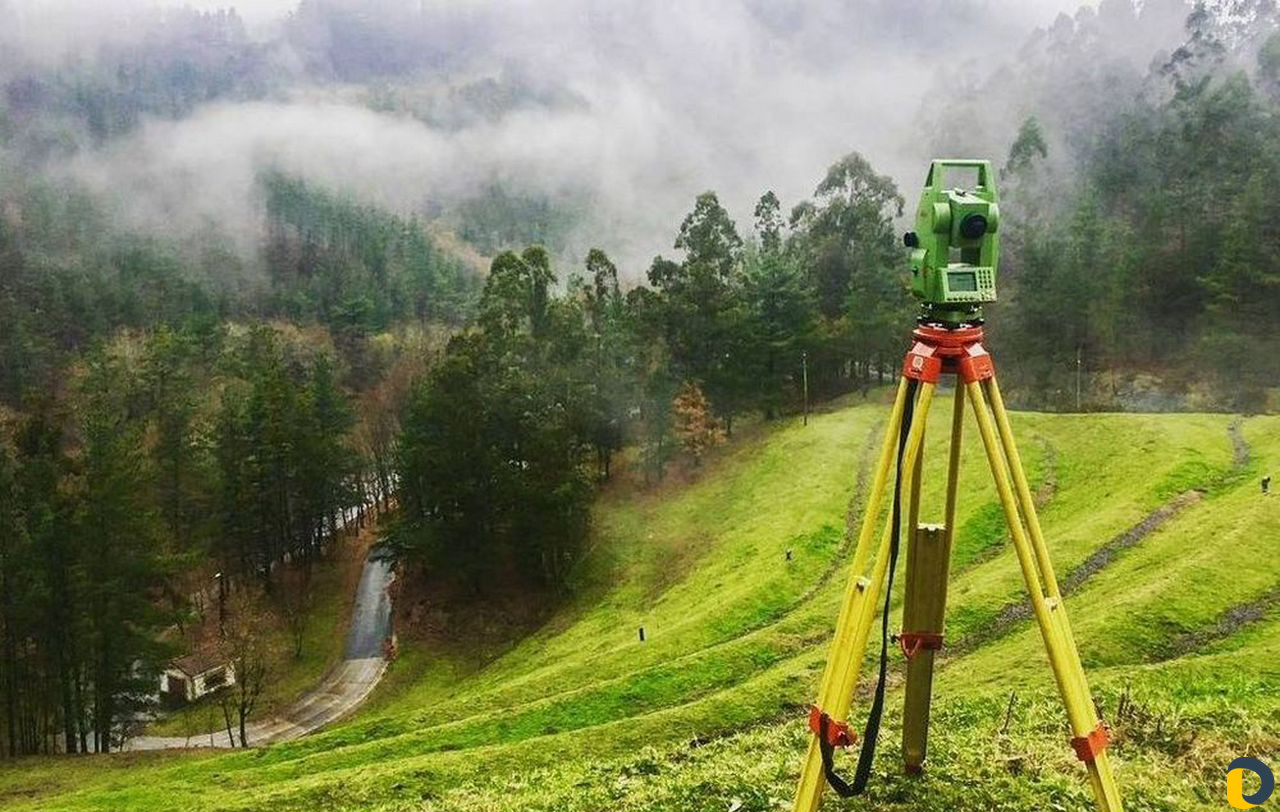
{"x":1241,"y":615}
{"x":1019,"y":611}
{"x":1239,"y":445}
{"x":1227,"y":624}
{"x":342,"y":690}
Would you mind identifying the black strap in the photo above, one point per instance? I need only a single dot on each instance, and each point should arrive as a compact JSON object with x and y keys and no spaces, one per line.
{"x":828,"y":767}
{"x":872,"y":730}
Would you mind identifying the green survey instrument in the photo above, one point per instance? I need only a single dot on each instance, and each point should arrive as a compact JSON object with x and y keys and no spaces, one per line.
{"x":954,"y":260}
{"x":956,"y":246}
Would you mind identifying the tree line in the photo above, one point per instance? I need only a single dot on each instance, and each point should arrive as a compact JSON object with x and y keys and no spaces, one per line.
{"x":1161,"y":260}
{"x":507,"y":436}
{"x":1136,"y":230}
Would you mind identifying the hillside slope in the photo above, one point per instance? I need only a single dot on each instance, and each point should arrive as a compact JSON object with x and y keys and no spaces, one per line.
{"x":1156,"y":525}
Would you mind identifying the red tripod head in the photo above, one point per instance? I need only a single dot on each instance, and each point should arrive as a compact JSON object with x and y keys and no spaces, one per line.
{"x":938,"y":350}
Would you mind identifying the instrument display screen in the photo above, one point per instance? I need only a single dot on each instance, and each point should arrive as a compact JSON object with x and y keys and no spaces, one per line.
{"x":962,"y":282}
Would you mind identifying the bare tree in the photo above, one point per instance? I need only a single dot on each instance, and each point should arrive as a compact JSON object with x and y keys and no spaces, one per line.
{"x":695,"y":425}
{"x":295,"y":599}
{"x":246,"y":647}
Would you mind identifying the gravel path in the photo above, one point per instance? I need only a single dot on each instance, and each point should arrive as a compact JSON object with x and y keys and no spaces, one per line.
{"x":1019,"y":611}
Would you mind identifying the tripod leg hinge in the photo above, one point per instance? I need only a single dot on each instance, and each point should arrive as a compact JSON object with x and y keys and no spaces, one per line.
{"x":912,"y":643}
{"x":836,"y":734}
{"x":922,"y":364}
{"x":1088,"y":747}
{"x":975,"y":365}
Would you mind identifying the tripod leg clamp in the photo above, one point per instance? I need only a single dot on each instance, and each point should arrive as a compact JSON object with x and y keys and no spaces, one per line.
{"x":975,"y":364}
{"x":1088,"y":747}
{"x":912,"y":643}
{"x":922,"y":363}
{"x":828,"y":730}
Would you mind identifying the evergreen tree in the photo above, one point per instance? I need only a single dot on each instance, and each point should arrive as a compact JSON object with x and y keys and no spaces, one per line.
{"x":845,"y":240}
{"x":121,"y":559}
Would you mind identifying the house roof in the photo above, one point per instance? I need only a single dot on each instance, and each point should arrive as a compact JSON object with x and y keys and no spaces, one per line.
{"x":198,"y":662}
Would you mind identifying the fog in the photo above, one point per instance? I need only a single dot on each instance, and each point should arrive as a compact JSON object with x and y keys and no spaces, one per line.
{"x":650,"y":104}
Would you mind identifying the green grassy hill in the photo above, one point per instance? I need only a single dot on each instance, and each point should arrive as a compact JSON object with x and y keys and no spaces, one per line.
{"x":1172,"y":558}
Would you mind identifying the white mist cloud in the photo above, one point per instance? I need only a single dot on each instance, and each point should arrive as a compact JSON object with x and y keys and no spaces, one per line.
{"x":733,"y":95}
{"x":53,"y":30}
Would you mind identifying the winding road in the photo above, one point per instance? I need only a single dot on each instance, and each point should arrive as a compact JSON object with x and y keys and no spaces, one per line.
{"x":343,"y":688}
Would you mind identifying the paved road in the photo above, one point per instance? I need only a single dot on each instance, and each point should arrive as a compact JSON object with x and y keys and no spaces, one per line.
{"x":343,"y":689}
{"x":371,"y":617}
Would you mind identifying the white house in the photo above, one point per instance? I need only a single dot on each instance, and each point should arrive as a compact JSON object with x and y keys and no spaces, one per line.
{"x":193,"y":676}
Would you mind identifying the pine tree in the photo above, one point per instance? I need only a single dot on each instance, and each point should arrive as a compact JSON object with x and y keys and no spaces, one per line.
{"x":14,"y":623}
{"x":119,"y":554}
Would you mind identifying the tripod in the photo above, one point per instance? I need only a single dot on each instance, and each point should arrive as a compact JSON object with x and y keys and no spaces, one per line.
{"x":936,"y":351}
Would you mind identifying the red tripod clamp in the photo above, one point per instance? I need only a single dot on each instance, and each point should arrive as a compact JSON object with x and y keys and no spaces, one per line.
{"x":1088,"y":747}
{"x":836,"y":734}
{"x":937,"y":350}
{"x":912,"y":643}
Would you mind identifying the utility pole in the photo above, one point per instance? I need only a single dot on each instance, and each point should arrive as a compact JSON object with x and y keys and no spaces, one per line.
{"x":804,"y":363}
{"x":222,"y":603}
{"x":1078,"y":348}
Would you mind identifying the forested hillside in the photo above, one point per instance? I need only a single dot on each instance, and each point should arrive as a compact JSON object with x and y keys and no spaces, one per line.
{"x":1140,"y":235}
{"x":174,"y":411}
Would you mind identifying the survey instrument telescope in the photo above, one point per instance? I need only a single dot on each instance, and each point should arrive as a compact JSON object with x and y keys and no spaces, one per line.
{"x":956,"y":245}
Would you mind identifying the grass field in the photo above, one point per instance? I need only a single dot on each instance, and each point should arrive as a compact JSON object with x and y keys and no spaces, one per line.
{"x":1155,"y":521}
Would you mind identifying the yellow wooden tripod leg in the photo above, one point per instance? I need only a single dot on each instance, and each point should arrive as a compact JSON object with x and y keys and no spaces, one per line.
{"x":848,"y":648}
{"x":812,"y":777}
{"x":862,"y":549}
{"x":922,"y":613}
{"x":1032,"y":552}
{"x":1099,"y":765}
{"x":924,"y":607}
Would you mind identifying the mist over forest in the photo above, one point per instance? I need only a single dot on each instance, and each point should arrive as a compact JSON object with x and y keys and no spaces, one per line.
{"x":611,"y":118}
{"x":571,"y":125}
